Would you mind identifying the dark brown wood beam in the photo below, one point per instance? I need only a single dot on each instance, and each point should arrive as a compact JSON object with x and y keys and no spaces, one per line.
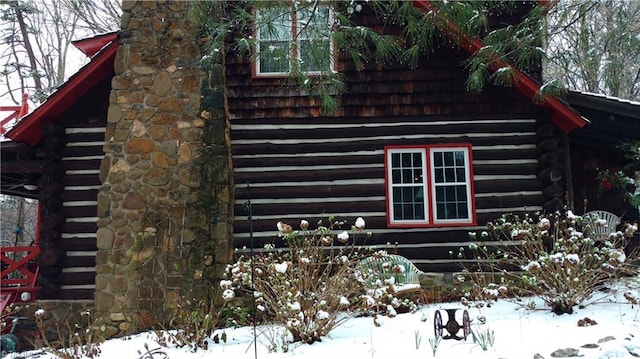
{"x":33,"y":166}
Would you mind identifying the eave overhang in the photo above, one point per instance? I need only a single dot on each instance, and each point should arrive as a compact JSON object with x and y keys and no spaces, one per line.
{"x":29,"y":129}
{"x":562,"y":116}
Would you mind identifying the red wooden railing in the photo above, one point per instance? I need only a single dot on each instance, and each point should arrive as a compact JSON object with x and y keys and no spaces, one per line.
{"x":19,"y":274}
{"x":16,"y":113}
{"x":18,"y":278}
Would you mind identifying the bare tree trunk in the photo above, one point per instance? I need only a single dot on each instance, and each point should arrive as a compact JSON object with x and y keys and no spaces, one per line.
{"x":28,"y":48}
{"x":19,"y":227}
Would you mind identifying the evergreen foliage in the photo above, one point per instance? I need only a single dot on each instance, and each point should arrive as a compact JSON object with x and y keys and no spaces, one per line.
{"x":404,"y":33}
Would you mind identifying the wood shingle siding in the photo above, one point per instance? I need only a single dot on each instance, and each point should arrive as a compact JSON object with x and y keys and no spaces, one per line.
{"x":292,"y":162}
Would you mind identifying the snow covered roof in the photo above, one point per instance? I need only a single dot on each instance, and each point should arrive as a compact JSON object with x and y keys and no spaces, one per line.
{"x":605,"y":97}
{"x":612,"y":119}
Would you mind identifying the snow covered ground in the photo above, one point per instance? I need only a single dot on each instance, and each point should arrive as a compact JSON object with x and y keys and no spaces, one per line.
{"x":519,"y":333}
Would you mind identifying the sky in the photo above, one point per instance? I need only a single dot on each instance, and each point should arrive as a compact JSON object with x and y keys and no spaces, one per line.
{"x":518,"y":333}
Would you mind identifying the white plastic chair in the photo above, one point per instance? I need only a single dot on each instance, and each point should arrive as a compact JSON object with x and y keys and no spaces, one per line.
{"x":393,"y":269}
{"x":600,"y":224}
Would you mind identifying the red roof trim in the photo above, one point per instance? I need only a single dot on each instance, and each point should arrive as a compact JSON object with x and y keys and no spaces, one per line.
{"x":94,"y":44}
{"x":29,"y":129}
{"x":563,"y":117}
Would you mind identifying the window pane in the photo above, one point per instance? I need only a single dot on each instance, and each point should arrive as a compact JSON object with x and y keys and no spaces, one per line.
{"x":314,"y":25}
{"x":408,"y":203}
{"x":395,"y":176}
{"x":397,"y":211}
{"x":417,"y":175}
{"x":451,"y":202}
{"x":451,"y":211}
{"x":437,"y":159}
{"x":451,"y":184}
{"x":461,"y":193}
{"x":274,"y":23}
{"x":450,"y":193}
{"x":463,"y":211}
{"x":274,"y":39}
{"x":407,"y":175}
{"x":440,"y":194}
{"x":419,"y":211}
{"x":449,"y":175}
{"x":314,"y":55}
{"x":274,"y":56}
{"x":406,"y":160}
{"x":395,"y":160}
{"x":448,"y":158}
{"x":314,"y":38}
{"x":407,"y":186}
{"x":459,"y":158}
{"x":407,"y":211}
{"x":417,"y":159}
{"x":439,"y":175}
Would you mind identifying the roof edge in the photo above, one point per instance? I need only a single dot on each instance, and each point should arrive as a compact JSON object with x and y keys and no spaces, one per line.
{"x":29,"y":129}
{"x":563,"y":117}
{"x":92,"y":45}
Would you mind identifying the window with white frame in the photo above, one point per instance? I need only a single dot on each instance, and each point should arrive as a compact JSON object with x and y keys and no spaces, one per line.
{"x":297,"y":36}
{"x":429,"y":185}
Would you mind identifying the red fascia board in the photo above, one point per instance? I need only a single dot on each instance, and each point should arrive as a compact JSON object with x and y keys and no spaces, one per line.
{"x":94,"y":44}
{"x":29,"y":129}
{"x":563,"y":117}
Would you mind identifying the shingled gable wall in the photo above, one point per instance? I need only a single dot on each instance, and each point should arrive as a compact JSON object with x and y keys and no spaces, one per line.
{"x":165,"y":203}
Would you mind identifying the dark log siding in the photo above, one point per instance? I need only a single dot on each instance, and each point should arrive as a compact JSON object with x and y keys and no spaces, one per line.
{"x":83,"y":127}
{"x":81,"y":160}
{"x":293,"y":180}
{"x":292,"y":163}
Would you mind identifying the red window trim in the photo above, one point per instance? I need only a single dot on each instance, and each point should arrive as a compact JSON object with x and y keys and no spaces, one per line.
{"x":430,"y":223}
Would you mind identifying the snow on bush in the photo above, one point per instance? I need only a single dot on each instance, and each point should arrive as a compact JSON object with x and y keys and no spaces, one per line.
{"x":281,"y":267}
{"x":307,"y":287}
{"x":549,"y":256}
{"x":382,"y":288}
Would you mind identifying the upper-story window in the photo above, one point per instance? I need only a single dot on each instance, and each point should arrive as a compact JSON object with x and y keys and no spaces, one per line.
{"x":296,"y":36}
{"x":429,"y":185}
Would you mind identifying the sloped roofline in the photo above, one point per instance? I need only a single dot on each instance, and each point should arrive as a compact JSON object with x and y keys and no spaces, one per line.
{"x":615,"y":106}
{"x":90,"y":46}
{"x":102,"y":48}
{"x":562,"y":116}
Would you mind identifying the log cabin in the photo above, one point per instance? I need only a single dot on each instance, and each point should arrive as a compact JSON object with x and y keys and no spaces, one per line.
{"x":54,"y":156}
{"x":420,"y":158}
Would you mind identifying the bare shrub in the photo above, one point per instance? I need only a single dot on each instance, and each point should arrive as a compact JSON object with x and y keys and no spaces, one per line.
{"x":550,"y":257}
{"x":75,"y":340}
{"x":194,"y":323}
{"x":309,"y":287}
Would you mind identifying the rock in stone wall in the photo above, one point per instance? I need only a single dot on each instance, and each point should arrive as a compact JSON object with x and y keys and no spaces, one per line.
{"x":160,"y":214}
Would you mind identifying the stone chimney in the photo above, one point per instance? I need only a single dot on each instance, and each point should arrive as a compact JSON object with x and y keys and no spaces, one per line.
{"x":165,"y":206}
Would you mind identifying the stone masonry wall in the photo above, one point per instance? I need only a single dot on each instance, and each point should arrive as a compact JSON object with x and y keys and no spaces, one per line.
{"x":166,"y":200}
